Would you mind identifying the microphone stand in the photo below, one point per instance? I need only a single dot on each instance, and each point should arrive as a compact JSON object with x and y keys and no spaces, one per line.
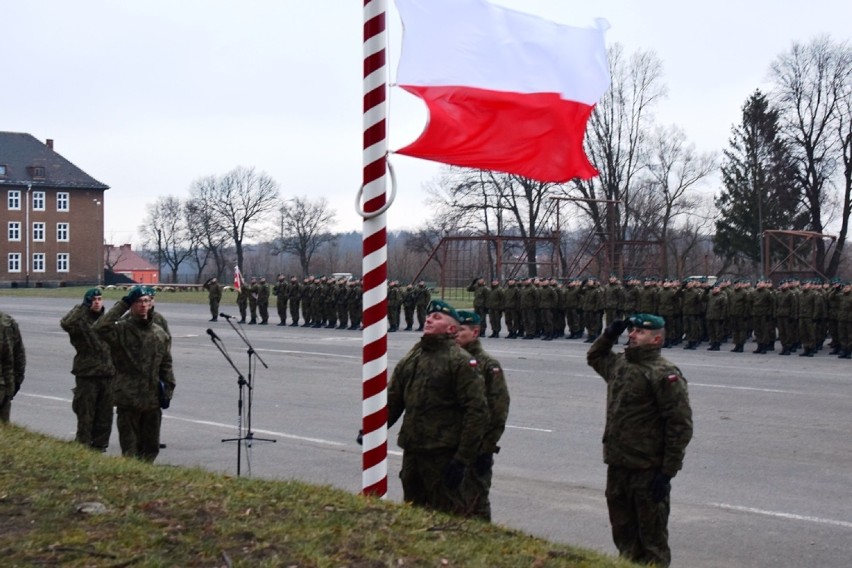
{"x":248,"y":437}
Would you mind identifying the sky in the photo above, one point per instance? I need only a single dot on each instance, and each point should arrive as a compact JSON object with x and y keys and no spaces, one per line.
{"x":148,"y":96}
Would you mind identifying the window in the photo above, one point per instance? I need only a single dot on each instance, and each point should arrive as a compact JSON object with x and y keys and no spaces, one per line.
{"x":62,"y":232}
{"x":14,"y":262}
{"x":14,"y":200}
{"x":38,"y":262}
{"x":38,"y":232}
{"x":2,"y":170}
{"x":62,"y":201}
{"x":62,"y":262}
{"x":38,"y":201}
{"x":14,"y":231}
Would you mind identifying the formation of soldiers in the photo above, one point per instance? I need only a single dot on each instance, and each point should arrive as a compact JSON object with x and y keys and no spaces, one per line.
{"x":798,"y":315}
{"x":315,"y":301}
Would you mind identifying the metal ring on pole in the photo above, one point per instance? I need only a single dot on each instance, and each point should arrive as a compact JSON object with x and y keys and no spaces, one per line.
{"x":384,"y":207}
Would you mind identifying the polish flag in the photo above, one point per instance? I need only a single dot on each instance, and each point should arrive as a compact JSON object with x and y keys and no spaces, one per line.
{"x":238,"y":278}
{"x":505,"y":90}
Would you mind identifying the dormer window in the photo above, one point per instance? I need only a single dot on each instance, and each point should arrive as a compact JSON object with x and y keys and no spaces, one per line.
{"x":2,"y":171}
{"x":36,"y":172}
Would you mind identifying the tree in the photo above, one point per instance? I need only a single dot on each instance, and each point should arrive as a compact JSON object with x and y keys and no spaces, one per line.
{"x":760,"y":187}
{"x":238,"y":202}
{"x":207,"y":238}
{"x":304,"y":227}
{"x":617,"y":144}
{"x":812,"y":90}
{"x":165,"y":231}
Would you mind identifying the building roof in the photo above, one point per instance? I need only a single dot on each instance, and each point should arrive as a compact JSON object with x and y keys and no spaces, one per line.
{"x":22,"y":154}
{"x":125,"y":259}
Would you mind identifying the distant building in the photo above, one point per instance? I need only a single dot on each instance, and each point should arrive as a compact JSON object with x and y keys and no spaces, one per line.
{"x":51,"y":216}
{"x":123,"y":261}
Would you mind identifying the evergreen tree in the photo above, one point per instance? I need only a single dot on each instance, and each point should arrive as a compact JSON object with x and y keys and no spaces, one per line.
{"x":760,"y":190}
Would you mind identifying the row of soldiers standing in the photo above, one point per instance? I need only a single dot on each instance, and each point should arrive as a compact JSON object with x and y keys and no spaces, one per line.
{"x":315,"y":301}
{"x":798,"y":313}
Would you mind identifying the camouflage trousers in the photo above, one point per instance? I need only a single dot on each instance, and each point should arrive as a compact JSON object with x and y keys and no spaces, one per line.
{"x":139,"y":432}
{"x":282,"y":311}
{"x":393,"y":315}
{"x":294,"y":310}
{"x":5,"y":410}
{"x":422,"y":477}
{"x":494,"y":318}
{"x":639,"y":526}
{"x":214,"y":308}
{"x":92,"y":404}
{"x":242,"y":305}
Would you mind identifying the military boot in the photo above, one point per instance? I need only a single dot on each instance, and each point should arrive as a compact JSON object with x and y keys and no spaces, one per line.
{"x":808,"y":352}
{"x":845,"y":355}
{"x":738,"y":348}
{"x":714,"y":346}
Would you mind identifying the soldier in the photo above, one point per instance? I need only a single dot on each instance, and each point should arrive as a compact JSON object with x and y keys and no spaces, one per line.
{"x":632,"y":291}
{"x":307,"y":298}
{"x":355,"y":303}
{"x":494,"y":307}
{"x":844,"y":322}
{"x":424,"y":297}
{"x":340,"y":297}
{"x":480,"y":301}
{"x":668,"y":307}
{"x":833,"y":299}
{"x":571,"y":302}
{"x":281,"y":291}
{"x":613,"y":299}
{"x":263,"y":301}
{"x":254,"y":290}
{"x":739,"y":309}
{"x":437,"y":386}
{"x":242,"y":299}
{"x":716,"y":315}
{"x":93,"y":372}
{"x":511,"y":308}
{"x":214,"y":296}
{"x":593,"y":308}
{"x":763,"y":316}
{"x":693,"y":313}
{"x":394,"y":305}
{"x":409,"y":300}
{"x":548,"y":301}
{"x":13,"y":364}
{"x":648,"y":427}
{"x":144,"y":381}
{"x":497,"y":395}
{"x":529,"y":309}
{"x":295,"y":292}
{"x":811,"y":310}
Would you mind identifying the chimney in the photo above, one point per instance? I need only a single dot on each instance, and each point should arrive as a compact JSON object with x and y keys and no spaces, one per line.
{"x":49,"y":143}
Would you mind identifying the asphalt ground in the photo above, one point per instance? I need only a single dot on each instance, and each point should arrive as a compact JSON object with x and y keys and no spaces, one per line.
{"x":766,"y":481}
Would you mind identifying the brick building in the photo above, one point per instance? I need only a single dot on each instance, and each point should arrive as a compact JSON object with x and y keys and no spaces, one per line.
{"x":51,"y":216}
{"x":122,"y":260}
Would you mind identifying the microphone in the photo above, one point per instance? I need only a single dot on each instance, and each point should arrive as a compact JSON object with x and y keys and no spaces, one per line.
{"x":212,"y":334}
{"x":226,"y":316}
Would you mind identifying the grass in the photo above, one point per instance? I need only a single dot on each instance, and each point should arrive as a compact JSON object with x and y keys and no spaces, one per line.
{"x":164,"y":296}
{"x":156,"y":515}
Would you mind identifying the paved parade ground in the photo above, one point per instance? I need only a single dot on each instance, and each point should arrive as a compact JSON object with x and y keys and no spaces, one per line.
{"x":766,"y":481}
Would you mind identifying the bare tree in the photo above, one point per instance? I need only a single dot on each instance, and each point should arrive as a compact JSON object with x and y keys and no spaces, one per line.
{"x":812,"y":90}
{"x":304,"y":227}
{"x":239,"y":202}
{"x":674,"y":168}
{"x":207,"y":237}
{"x":616,"y":142}
{"x":165,"y":231}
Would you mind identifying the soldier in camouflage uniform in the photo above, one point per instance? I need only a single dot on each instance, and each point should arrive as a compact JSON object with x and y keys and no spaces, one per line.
{"x":242,"y":299}
{"x":13,"y":364}
{"x":571,"y":302}
{"x":307,"y":297}
{"x":281,"y":291}
{"x":263,"y":301}
{"x":355,"y":304}
{"x":409,"y":301}
{"x":93,"y":372}
{"x":763,"y":316}
{"x":394,"y":305}
{"x":739,"y":310}
{"x":693,"y":313}
{"x":497,"y":394}
{"x":811,"y":310}
{"x":295,"y":292}
{"x":437,"y":385}
{"x":716,"y":316}
{"x":844,"y":322}
{"x":512,"y":308}
{"x":214,"y":296}
{"x":613,"y":299}
{"x":423,"y":298}
{"x":339,"y":296}
{"x":548,"y":302}
{"x":144,"y":381}
{"x":648,"y":427}
{"x":480,"y":300}
{"x":529,"y":309}
{"x":253,"y":291}
{"x":593,"y":309}
{"x":494,"y":307}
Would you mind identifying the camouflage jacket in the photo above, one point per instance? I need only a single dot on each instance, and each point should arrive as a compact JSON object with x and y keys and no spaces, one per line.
{"x":214,"y":292}
{"x":93,"y":357}
{"x":438,"y":387}
{"x":648,"y":415}
{"x":497,"y":394}
{"x":13,"y":358}
{"x":141,"y":353}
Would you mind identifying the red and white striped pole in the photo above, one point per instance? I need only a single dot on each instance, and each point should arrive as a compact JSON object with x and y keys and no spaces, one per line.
{"x":374,"y":370}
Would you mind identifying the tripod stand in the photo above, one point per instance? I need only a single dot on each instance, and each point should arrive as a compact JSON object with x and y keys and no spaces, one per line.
{"x":244,"y":403}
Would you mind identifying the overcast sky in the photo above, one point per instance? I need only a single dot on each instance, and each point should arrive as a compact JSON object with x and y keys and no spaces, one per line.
{"x":149,"y":95}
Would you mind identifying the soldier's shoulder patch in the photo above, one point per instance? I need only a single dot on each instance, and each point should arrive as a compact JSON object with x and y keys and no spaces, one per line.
{"x":495,"y":370}
{"x":472,"y":363}
{"x":673,"y":378}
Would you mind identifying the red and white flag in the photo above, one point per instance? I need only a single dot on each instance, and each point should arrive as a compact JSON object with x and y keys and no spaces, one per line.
{"x":238,"y":278}
{"x":505,"y":90}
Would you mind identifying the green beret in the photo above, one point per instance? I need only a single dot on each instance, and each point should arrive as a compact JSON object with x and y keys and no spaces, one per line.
{"x":468,"y":318}
{"x":90,"y":295}
{"x":647,"y":321}
{"x":443,"y":307}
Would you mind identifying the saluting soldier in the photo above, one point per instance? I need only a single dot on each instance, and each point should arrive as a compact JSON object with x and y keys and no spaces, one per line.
{"x":512,"y":308}
{"x":739,"y":311}
{"x":254,"y":289}
{"x":763,"y":316}
{"x":394,"y":305}
{"x":355,"y":303}
{"x":480,"y":300}
{"x":281,"y":292}
{"x":717,"y":315}
{"x":214,"y":296}
{"x":529,"y":309}
{"x":295,"y":300}
{"x":494,"y":307}
{"x":409,"y":301}
{"x":423,"y":298}
{"x":263,"y":301}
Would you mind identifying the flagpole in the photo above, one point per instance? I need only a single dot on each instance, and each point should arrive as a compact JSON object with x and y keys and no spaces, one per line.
{"x":374,"y":371}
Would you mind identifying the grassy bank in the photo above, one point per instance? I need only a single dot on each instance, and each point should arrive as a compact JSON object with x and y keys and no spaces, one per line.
{"x":61,"y":504}
{"x":114,"y":294}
